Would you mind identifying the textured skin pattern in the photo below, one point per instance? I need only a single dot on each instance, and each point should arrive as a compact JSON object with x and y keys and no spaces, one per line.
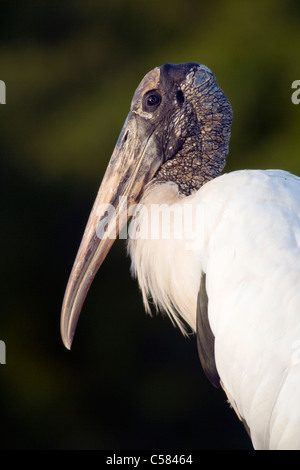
{"x":203,"y":120}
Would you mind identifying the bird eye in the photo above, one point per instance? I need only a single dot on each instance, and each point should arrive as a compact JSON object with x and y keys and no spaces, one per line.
{"x":152,"y":100}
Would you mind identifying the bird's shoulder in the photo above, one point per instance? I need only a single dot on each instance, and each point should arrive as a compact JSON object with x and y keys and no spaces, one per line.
{"x":253,"y":186}
{"x":257,"y":200}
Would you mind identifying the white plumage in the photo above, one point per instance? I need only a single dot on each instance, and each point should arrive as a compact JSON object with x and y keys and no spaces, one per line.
{"x":249,"y":247}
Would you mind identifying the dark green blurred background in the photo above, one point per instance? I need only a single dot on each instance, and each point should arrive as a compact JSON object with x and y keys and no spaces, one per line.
{"x":70,"y":68}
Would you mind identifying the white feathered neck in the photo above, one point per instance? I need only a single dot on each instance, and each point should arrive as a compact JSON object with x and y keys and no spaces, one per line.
{"x":163,"y":256}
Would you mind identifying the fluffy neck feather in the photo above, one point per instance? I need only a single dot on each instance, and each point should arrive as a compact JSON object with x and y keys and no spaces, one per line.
{"x":164,"y":266}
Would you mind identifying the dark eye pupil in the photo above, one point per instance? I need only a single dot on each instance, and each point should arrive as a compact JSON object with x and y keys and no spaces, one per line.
{"x":153,"y":100}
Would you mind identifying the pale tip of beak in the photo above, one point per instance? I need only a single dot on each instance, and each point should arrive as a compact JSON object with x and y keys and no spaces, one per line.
{"x":68,"y":345}
{"x":66,"y":335}
{"x":67,"y":342}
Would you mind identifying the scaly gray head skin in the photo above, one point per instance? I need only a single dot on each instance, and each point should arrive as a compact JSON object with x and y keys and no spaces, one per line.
{"x":177,"y":130}
{"x":202,"y":116}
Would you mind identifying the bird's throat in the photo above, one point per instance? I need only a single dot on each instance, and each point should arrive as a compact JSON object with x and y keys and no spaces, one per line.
{"x":194,"y":165}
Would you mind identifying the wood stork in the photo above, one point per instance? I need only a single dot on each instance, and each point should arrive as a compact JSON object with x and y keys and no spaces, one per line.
{"x":233,"y":277}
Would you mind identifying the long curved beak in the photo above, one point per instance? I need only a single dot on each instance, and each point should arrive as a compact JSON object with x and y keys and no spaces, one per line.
{"x":135,"y":160}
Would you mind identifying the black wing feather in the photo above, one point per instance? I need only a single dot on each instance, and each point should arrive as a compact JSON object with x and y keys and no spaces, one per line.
{"x":205,"y":337}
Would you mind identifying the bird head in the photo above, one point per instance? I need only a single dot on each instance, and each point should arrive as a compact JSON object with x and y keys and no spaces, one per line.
{"x":177,"y":130}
